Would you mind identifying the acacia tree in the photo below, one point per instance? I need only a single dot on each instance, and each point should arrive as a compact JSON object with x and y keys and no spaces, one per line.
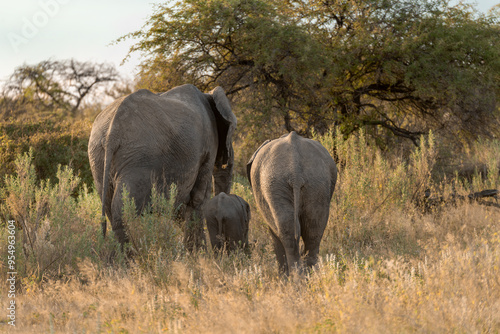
{"x":57,"y":84}
{"x":412,"y":65}
{"x":403,"y":66}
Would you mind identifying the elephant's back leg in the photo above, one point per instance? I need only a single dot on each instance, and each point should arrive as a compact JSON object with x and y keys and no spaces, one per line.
{"x":194,"y":236}
{"x":138,"y":188}
{"x":109,"y":200}
{"x":213,"y":231}
{"x":312,"y":240}
{"x":314,"y":219}
{"x":279,"y":250}
{"x":234,"y":224}
{"x":280,"y":204}
{"x":116,"y":214}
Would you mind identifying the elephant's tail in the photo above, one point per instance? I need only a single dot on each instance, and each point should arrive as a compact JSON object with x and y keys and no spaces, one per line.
{"x":105,"y":186}
{"x":297,"y":185}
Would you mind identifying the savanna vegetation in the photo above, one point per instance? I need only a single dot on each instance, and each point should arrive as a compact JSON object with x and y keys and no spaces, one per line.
{"x":403,"y":94}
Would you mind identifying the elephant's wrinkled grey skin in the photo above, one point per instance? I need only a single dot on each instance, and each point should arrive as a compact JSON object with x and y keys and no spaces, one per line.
{"x":227,"y":218}
{"x":182,"y":136}
{"x":293,"y":179}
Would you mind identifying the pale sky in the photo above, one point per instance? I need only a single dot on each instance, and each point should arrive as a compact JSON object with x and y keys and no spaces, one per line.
{"x":36,"y":30}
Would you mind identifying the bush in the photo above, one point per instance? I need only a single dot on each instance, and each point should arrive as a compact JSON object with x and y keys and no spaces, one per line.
{"x":54,"y":229}
{"x":53,"y":142}
{"x":155,"y":238}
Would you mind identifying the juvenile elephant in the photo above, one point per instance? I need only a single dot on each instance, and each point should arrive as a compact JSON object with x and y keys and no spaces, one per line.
{"x":293,"y":179}
{"x":182,"y":136}
{"x":227,"y":219}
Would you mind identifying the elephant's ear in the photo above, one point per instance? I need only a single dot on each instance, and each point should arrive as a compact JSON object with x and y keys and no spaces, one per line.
{"x":249,"y":214}
{"x":226,"y":124}
{"x":250,"y":162}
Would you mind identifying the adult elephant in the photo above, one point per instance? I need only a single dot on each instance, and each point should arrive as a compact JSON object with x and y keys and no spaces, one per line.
{"x":293,"y":179}
{"x":182,"y":136}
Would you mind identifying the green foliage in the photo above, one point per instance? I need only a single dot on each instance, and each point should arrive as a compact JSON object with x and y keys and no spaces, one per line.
{"x":403,"y":67}
{"x":54,"y":230}
{"x":242,"y":188}
{"x":54,"y":142}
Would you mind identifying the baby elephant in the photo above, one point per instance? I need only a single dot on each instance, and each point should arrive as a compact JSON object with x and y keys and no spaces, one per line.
{"x":227,"y":219}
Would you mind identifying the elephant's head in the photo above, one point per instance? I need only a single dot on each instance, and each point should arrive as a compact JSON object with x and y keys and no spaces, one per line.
{"x":226,"y":124}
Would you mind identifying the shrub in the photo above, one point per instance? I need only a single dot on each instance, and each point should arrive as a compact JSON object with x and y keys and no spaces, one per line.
{"x":155,"y":238}
{"x":54,"y":142}
{"x":371,"y":188}
{"x":55,"y":229}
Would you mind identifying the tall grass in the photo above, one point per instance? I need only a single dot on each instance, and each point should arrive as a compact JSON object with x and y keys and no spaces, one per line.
{"x":375,"y":195}
{"x":386,"y":265}
{"x":155,"y":237}
{"x":54,"y":230}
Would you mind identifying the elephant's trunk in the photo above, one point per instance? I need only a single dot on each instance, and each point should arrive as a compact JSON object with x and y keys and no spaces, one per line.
{"x":222,"y":175}
{"x":103,"y":226}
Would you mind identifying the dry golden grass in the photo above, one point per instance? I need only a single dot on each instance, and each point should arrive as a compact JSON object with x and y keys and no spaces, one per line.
{"x":386,"y":267}
{"x":452,"y":285}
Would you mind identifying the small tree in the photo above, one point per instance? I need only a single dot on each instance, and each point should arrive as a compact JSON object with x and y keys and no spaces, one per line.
{"x":53,"y":85}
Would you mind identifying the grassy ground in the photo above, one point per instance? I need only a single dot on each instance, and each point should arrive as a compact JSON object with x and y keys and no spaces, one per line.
{"x":388,"y":264}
